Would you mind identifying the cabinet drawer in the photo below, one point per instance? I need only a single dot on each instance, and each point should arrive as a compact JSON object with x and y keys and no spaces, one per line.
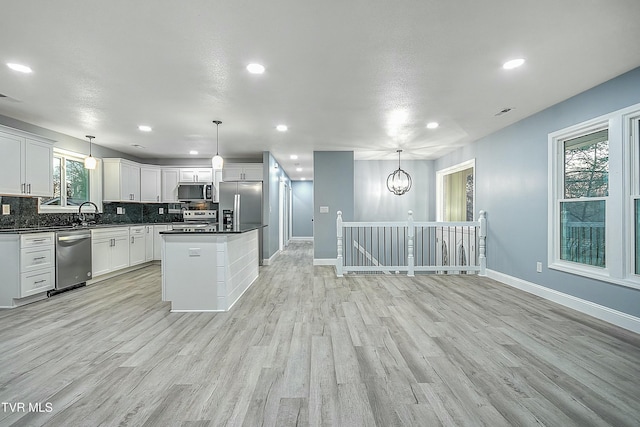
{"x":110,"y":233}
{"x":36,"y":239}
{"x":36,"y":282}
{"x":136,"y":231}
{"x":36,"y":259}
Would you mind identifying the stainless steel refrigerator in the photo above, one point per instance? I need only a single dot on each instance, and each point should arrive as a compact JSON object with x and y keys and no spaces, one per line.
{"x":244,"y":200}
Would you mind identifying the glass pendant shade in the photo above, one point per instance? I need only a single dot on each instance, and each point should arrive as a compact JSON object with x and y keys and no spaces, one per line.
{"x":217,"y":161}
{"x":90,"y":162}
{"x":399,"y":181}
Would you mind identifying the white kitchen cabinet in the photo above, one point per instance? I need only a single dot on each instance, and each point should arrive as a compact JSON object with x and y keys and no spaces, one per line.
{"x":121,"y":180}
{"x":150,"y":183}
{"x":109,"y":250}
{"x":170,"y":179}
{"x":157,"y":240}
{"x":26,"y":164}
{"x":242,"y":172}
{"x":137,"y":245}
{"x":196,"y":175}
{"x":148,"y":242}
{"x":27,"y":265}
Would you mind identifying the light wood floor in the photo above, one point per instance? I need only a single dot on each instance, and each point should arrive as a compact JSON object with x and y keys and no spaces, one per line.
{"x":305,"y":348}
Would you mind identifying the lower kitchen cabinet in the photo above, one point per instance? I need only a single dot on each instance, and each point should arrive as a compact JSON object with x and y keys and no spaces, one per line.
{"x":157,"y":240}
{"x":137,"y":245}
{"x":148,"y":242}
{"x":27,"y":266}
{"x":110,"y":250}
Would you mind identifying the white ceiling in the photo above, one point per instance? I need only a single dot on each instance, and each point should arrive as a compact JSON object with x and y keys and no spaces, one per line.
{"x":361,"y":75}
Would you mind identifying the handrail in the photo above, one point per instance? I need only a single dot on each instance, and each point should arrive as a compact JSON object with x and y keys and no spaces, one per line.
{"x":378,"y":249}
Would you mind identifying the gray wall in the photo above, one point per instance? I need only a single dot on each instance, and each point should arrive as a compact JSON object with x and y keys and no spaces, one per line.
{"x":302,"y":209}
{"x":271,"y":191}
{"x":332,"y":187}
{"x":511,"y":185}
{"x":374,"y":202}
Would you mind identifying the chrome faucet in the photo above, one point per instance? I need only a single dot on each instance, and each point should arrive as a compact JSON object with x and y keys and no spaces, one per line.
{"x":81,"y":216}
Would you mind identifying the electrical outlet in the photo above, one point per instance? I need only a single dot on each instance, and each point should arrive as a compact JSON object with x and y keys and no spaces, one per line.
{"x":539,"y":267}
{"x":6,"y":209}
{"x":119,"y":210}
{"x":160,"y":211}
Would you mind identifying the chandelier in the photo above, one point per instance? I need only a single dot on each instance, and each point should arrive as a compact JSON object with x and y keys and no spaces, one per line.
{"x":399,"y":181}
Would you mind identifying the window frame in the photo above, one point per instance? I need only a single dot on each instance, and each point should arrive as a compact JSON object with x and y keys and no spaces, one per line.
{"x":94,"y":182}
{"x":623,"y":178}
{"x":440,"y":174}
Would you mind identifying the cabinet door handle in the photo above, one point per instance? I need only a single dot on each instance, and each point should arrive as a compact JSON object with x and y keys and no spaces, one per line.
{"x":39,"y":281}
{"x":132,"y":239}
{"x":29,"y":186}
{"x":38,"y":258}
{"x":23,"y":188}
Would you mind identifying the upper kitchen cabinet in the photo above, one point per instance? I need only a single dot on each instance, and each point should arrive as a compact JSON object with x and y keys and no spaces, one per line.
{"x":196,"y":175}
{"x":170,"y":179}
{"x":150,"y":183}
{"x":26,"y":164}
{"x":121,"y":182}
{"x":242,"y":172}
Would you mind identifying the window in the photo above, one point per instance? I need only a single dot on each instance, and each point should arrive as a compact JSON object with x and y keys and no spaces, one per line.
{"x":594,"y":198}
{"x":71,"y":182}
{"x":583,"y":208}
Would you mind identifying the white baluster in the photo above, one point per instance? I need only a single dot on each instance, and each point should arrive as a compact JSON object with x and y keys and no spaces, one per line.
{"x":482,"y":243}
{"x":410,"y":243}
{"x":339,"y":260}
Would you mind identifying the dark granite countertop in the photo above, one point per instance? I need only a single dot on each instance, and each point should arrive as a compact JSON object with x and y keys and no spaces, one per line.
{"x":55,"y":228}
{"x":213,"y":229}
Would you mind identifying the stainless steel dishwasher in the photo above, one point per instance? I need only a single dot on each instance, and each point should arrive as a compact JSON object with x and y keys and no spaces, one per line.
{"x":73,"y":258}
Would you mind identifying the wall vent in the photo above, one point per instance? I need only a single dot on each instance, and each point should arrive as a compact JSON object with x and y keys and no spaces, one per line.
{"x":503,"y":111}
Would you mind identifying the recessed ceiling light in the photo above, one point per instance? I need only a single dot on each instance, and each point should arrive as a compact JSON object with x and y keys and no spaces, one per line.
{"x":19,"y":67}
{"x":432,"y":125}
{"x":514,"y":63}
{"x":294,"y":157}
{"x":255,"y":68}
{"x":282,"y":128}
{"x":193,"y":152}
{"x":298,"y":169}
{"x":144,"y":128}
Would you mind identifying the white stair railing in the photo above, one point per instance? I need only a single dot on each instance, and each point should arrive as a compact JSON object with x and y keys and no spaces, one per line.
{"x":410,"y":246}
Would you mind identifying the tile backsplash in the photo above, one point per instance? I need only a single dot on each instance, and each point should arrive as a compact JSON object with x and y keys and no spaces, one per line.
{"x":24,"y":214}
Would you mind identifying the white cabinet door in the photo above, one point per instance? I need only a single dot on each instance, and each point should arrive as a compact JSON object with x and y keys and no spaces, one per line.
{"x":170,"y":179}
{"x":196,"y":175}
{"x":242,"y":172}
{"x":131,"y":182}
{"x":232,"y":173}
{"x":150,"y":185}
{"x":38,"y":168}
{"x":157,"y":241}
{"x":120,"y":253}
{"x":253,"y":173}
{"x":10,"y":164}
{"x":137,"y":248}
{"x":100,"y":256}
{"x":148,"y":240}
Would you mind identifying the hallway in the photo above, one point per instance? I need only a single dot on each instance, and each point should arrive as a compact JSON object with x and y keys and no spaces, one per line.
{"x":303,"y":347}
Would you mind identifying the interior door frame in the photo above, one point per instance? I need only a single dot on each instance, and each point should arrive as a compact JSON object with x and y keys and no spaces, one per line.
{"x":440,"y":185}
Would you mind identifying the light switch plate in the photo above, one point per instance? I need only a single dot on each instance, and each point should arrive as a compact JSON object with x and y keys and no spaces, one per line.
{"x":324,"y":209}
{"x":6,"y":209}
{"x":119,"y":210}
{"x":194,"y":251}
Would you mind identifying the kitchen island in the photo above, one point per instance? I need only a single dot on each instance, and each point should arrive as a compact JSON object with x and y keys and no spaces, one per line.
{"x":204,"y":269}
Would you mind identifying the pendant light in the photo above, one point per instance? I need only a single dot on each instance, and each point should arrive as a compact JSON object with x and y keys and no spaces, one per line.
{"x":399,"y":181}
{"x":217,"y":161}
{"x":90,"y":162}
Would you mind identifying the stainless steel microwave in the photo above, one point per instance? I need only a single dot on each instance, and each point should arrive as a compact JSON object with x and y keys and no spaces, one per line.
{"x":195,"y":191}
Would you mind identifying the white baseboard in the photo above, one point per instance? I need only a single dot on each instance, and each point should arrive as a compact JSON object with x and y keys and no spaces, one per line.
{"x":301,"y":239}
{"x":598,"y":311}
{"x":324,"y":261}
{"x":269,"y":261}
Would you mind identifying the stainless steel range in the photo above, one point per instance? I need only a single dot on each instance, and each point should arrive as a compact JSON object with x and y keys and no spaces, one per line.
{"x":197,"y":219}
